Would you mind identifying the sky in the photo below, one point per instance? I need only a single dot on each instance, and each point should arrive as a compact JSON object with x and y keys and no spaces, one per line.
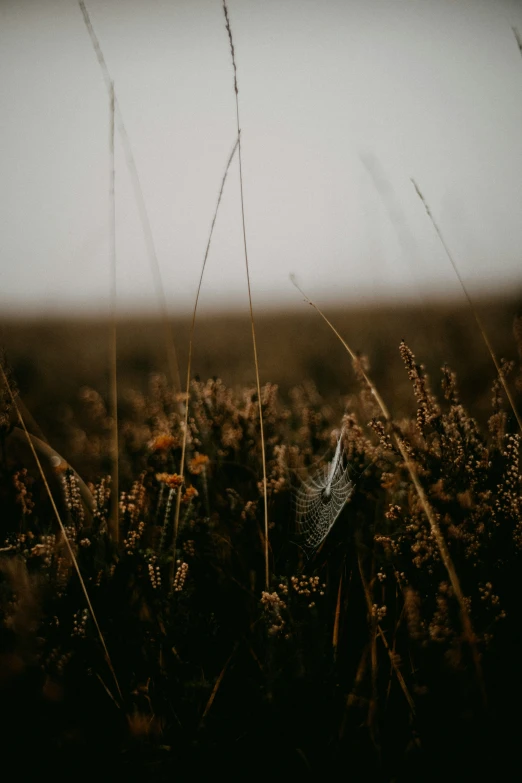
{"x":342,"y":103}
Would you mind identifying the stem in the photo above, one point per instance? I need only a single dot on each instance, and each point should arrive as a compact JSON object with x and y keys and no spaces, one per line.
{"x":189,"y":363}
{"x":472,"y":306}
{"x":115,"y":528}
{"x":254,"y":343}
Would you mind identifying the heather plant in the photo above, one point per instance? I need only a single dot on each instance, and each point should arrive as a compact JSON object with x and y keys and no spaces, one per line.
{"x":367,"y":629}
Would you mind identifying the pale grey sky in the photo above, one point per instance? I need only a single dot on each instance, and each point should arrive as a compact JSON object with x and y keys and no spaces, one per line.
{"x":342,"y":102}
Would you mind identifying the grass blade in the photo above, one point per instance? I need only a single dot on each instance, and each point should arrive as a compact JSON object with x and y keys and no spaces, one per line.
{"x":140,"y":202}
{"x":254,"y":344}
{"x":189,"y":362}
{"x":115,"y":528}
{"x":471,"y":305}
{"x":63,"y":531}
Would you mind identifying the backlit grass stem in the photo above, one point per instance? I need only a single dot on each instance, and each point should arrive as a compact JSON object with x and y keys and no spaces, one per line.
{"x":472,"y":306}
{"x":140,"y":202}
{"x":254,"y":344}
{"x":115,"y":494}
{"x":62,"y":530}
{"x":189,"y":362}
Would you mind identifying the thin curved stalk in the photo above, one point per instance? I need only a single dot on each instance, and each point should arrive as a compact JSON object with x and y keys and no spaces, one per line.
{"x":254,"y":343}
{"x":43,"y":448}
{"x":189,"y":362}
{"x":140,"y":202}
{"x":115,"y":527}
{"x":434,"y":525}
{"x":63,"y":532}
{"x":471,"y":305}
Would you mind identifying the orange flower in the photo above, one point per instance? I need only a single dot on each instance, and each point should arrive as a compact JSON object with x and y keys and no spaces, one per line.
{"x":197,"y":463}
{"x":162,"y":442}
{"x":172,"y":480}
{"x":190,"y":492}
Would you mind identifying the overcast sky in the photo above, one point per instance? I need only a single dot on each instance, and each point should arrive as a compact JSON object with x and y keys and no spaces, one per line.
{"x":341,"y":101}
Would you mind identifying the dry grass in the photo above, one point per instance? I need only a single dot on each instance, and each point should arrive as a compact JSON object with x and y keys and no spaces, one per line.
{"x":381,"y":677}
{"x":250,"y":304}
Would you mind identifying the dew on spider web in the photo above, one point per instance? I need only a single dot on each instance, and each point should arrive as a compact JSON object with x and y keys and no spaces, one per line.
{"x":320,"y":499}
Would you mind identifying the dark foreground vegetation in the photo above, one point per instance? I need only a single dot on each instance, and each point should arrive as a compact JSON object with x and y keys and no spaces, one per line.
{"x":355,"y":661}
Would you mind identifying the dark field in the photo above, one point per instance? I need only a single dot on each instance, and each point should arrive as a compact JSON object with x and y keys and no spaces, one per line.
{"x":53,"y":359}
{"x":360,"y":658}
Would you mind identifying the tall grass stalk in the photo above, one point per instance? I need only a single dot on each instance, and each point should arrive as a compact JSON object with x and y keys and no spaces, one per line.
{"x":115,"y":528}
{"x":434,"y":525}
{"x":472,"y":306}
{"x":337,"y":617}
{"x":378,"y":630}
{"x":63,"y":532}
{"x":189,"y":362}
{"x":150,"y":245}
{"x":51,"y":455}
{"x":254,"y":344}
{"x":216,"y":687}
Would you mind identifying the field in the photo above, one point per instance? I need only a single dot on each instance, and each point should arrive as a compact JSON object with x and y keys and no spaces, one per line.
{"x":53,"y":359}
{"x":388,"y":649}
{"x":297,"y":562}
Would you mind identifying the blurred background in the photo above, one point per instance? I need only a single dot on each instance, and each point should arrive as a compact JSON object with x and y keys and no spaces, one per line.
{"x":342,"y":103}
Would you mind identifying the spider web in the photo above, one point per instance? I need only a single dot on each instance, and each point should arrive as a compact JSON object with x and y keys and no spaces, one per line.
{"x":320,"y":500}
